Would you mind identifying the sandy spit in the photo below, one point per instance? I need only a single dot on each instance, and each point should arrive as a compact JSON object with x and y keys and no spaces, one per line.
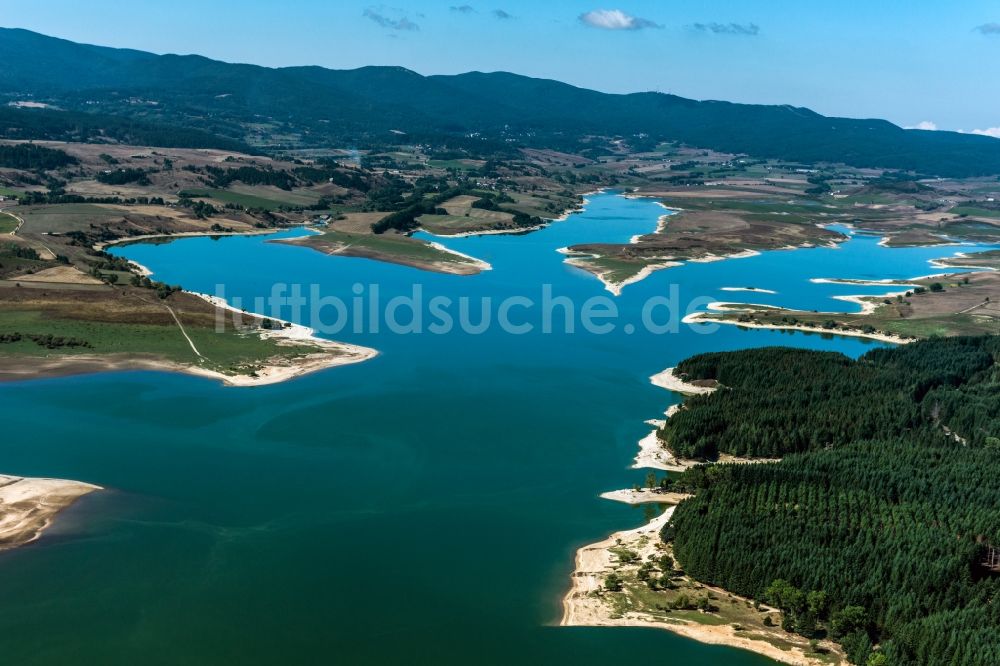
{"x":477,"y":263}
{"x":756,"y":289}
{"x":28,"y":506}
{"x":668,"y":380}
{"x":701,"y":318}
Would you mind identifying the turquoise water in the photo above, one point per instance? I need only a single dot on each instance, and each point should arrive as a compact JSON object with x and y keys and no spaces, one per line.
{"x":423,"y":507}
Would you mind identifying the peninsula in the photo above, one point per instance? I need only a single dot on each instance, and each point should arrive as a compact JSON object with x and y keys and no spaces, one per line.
{"x":28,"y":506}
{"x":772,"y":545}
{"x":934,"y":305}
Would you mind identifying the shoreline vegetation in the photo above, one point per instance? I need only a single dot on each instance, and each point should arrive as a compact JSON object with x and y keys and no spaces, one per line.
{"x":914,"y":437}
{"x":653,"y":451}
{"x":329,"y":354}
{"x":393,"y":249}
{"x":653,"y":454}
{"x":939,"y":304}
{"x":28,"y":506}
{"x":115,"y":318}
{"x":131,"y":240}
{"x":630,"y":579}
{"x":613,"y":276}
{"x":157,"y":327}
{"x":704,"y":566}
{"x":698,"y":233}
{"x":298,"y":352}
{"x":517,"y":231}
{"x":707,"y":318}
{"x":353,"y":238}
{"x":451,"y":261}
{"x":634,"y":577}
{"x":260,"y":351}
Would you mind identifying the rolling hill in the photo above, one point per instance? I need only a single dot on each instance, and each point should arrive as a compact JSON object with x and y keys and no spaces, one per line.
{"x":369,"y":106}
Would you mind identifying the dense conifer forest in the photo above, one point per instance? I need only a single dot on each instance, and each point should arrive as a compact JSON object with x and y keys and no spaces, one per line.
{"x":874,"y":528}
{"x":814,"y":400}
{"x":76,"y":126}
{"x":32,"y":156}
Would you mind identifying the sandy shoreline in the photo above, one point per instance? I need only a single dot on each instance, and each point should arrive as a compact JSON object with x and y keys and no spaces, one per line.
{"x":647,"y":270}
{"x":942,"y":262}
{"x":580,"y":609}
{"x":888,"y":282}
{"x":653,"y":455}
{"x":517,"y":231}
{"x":468,"y":266}
{"x":28,"y":506}
{"x":581,"y":261}
{"x":706,"y":318}
{"x":643,"y":496}
{"x":668,"y":380}
{"x":330,"y":353}
{"x":474,"y":262}
{"x":189,"y":234}
{"x":755,"y":289}
{"x":708,"y":258}
{"x":652,"y":452}
{"x":584,"y":202}
{"x":142,"y":270}
{"x":586,"y":603}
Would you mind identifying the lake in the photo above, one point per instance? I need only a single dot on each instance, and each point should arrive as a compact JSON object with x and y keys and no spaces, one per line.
{"x":422,"y":507}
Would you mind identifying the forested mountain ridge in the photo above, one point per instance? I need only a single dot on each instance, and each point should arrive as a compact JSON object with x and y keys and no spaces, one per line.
{"x":500,"y":110}
{"x":876,"y":533}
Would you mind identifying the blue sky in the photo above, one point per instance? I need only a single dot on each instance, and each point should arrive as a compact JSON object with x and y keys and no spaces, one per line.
{"x":908,"y":62}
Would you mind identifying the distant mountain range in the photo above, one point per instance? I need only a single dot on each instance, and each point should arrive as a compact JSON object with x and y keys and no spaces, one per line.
{"x":314,"y":106}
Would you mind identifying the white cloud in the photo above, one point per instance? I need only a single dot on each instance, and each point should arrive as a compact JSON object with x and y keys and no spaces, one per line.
{"x":989,"y":131}
{"x":615,"y":19}
{"x":932,"y":126}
